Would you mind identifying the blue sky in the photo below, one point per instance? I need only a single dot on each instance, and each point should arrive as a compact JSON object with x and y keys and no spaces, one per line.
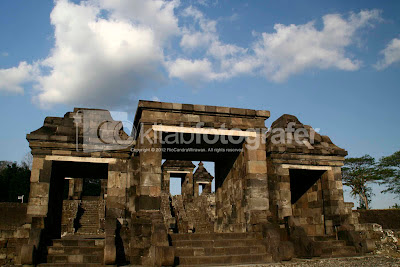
{"x":333,"y":64}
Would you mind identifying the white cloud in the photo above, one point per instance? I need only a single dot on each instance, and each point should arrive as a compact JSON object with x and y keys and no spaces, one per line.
{"x":107,"y":51}
{"x":391,"y":54}
{"x":156,"y":14}
{"x":191,"y":71}
{"x":96,"y":60}
{"x":4,"y":54}
{"x":294,"y":48}
{"x":290,"y":50}
{"x":12,"y":79}
{"x":218,"y":56}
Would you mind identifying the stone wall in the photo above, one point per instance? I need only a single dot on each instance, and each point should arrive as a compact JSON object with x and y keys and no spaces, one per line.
{"x":309,"y":210}
{"x":12,"y":231}
{"x":69,"y":213}
{"x":13,"y":215}
{"x":388,"y":219}
{"x":229,"y":199}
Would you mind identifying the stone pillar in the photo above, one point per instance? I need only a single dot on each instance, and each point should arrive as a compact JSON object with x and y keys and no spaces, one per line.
{"x":40,"y":185}
{"x":196,"y":190}
{"x":117,"y":189}
{"x":71,"y":186}
{"x":165,"y":182}
{"x":187,"y":187}
{"x":207,"y":188}
{"x":78,"y":188}
{"x":280,"y":194}
{"x":149,"y":188}
{"x":334,"y":206}
{"x":256,"y":193}
{"x":103,"y":193}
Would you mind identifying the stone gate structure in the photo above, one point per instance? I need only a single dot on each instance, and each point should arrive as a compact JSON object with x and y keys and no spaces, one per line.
{"x":278,"y":193}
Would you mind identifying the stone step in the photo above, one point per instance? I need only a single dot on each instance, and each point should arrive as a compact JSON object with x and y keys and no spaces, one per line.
{"x":215,"y":236}
{"x":323,"y":237}
{"x":73,"y":265}
{"x":75,"y":250}
{"x":89,"y":223}
{"x":217,"y":243}
{"x":86,"y":231}
{"x":345,"y":251}
{"x":77,"y":258}
{"x":179,"y":252}
{"x":331,"y":243}
{"x":227,"y":259}
{"x":78,"y":242}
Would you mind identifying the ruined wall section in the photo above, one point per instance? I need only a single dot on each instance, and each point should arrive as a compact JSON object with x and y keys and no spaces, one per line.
{"x":13,"y":233}
{"x":309,"y":152}
{"x":230,"y":199}
{"x":308,"y":211}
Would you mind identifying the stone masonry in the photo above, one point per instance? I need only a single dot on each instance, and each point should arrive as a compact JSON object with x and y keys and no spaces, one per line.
{"x":278,"y":191}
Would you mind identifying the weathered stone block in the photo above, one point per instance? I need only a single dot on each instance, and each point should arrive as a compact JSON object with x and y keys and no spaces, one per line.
{"x":257,"y":167}
{"x":39,"y":189}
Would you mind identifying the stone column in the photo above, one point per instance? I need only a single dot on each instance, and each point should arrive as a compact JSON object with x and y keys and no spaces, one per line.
{"x":332,"y":189}
{"x":196,"y":190}
{"x":165,"y":182}
{"x":280,"y":194}
{"x":117,"y":189}
{"x":78,"y":188}
{"x":40,"y":185}
{"x":207,"y":188}
{"x":256,"y":194}
{"x":149,"y":188}
{"x":187,"y":187}
{"x":103,"y":193}
{"x":71,"y":186}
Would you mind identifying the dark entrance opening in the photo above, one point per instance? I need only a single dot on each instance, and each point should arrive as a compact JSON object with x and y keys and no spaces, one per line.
{"x":301,"y":181}
{"x":58,"y":183}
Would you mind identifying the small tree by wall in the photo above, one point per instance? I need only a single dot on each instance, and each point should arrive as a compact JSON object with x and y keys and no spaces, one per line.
{"x":359,"y":174}
{"x":390,"y":169}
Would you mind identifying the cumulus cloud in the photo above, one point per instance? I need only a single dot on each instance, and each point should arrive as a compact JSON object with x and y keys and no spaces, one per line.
{"x":391,"y":54}
{"x":156,"y":14}
{"x":106,"y":52}
{"x":12,"y":79}
{"x":202,"y":36}
{"x":191,"y":71}
{"x":290,"y":50}
{"x":95,"y":59}
{"x":295,"y":48}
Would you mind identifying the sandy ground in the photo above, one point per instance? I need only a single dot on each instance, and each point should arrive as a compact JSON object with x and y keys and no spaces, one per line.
{"x":374,"y":260}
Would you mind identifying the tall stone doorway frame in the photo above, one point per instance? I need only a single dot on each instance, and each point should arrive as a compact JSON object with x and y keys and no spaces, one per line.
{"x":155,"y":119}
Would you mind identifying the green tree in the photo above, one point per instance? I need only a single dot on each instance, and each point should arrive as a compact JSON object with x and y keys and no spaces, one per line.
{"x":390,"y":170}
{"x":359,"y":174}
{"x":14,"y":182}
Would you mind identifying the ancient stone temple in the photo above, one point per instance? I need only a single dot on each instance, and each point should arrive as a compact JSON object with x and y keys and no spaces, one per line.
{"x":100,"y":196}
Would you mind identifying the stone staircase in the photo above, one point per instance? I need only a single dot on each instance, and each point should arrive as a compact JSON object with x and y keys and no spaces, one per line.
{"x":195,"y":249}
{"x":199,"y":218}
{"x":77,"y":252}
{"x":329,"y":247}
{"x":88,"y":217}
{"x":194,"y":216}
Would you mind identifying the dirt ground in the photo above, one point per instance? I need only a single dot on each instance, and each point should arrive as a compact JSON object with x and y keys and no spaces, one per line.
{"x":368,"y":261}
